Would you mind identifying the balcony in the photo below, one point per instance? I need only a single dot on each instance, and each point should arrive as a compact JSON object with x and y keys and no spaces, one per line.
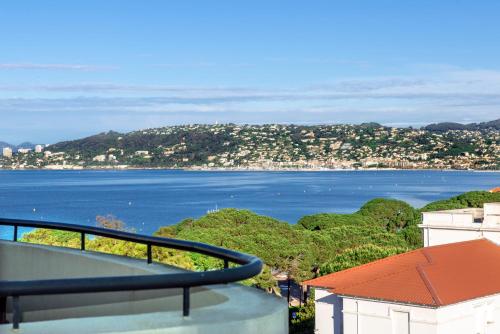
{"x":45,"y":289}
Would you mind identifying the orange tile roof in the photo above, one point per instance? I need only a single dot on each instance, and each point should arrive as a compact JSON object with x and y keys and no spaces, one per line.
{"x":495,"y":190}
{"x":432,"y":276}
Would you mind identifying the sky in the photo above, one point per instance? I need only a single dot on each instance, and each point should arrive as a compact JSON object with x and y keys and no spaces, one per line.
{"x":70,"y":69}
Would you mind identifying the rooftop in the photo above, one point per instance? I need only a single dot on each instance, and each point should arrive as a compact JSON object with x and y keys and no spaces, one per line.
{"x":432,"y":276}
{"x":486,"y":217}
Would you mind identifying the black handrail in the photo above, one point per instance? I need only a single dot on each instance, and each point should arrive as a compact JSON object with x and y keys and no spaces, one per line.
{"x":249,"y":267}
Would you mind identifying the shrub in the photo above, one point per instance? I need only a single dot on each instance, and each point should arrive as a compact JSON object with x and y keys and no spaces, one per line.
{"x":302,"y":318}
{"x":357,"y":256}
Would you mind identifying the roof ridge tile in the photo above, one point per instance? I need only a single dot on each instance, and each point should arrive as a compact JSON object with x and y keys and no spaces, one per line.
{"x":428,"y":285}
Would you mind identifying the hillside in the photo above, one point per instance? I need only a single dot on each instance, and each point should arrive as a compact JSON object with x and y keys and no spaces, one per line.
{"x":446,"y":126}
{"x":275,"y":146}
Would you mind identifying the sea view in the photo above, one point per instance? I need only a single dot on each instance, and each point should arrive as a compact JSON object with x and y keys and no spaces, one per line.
{"x":148,"y":199}
{"x":270,"y":167}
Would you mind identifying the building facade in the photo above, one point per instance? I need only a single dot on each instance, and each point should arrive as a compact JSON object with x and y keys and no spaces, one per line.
{"x":364,"y":316}
{"x":7,"y":152}
{"x":23,"y":150}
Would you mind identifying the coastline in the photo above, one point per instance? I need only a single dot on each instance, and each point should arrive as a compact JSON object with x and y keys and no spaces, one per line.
{"x":249,"y":169}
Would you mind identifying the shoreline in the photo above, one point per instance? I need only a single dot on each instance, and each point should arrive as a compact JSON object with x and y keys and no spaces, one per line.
{"x":250,"y":169}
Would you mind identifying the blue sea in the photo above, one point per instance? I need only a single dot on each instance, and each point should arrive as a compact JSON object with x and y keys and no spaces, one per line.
{"x":148,"y":199}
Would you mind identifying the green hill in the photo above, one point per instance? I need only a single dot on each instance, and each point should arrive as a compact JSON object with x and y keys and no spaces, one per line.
{"x":277,"y":146}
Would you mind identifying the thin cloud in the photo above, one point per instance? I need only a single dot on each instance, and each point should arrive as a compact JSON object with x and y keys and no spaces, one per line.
{"x":201,"y":65}
{"x":185,"y":65}
{"x":70,"y":67}
{"x":458,"y":93}
{"x":464,"y":83}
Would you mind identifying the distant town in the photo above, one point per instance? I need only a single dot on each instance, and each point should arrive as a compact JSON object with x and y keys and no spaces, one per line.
{"x":271,"y":147}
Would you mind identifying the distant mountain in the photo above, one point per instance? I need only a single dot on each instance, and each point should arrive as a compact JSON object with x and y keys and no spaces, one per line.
{"x":16,"y":147}
{"x":4,"y":144}
{"x":26,"y":144}
{"x":441,"y":127}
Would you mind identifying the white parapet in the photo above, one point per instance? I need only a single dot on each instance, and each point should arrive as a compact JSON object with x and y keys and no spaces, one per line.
{"x":444,"y":218}
{"x":441,"y":227}
{"x":492,"y":214}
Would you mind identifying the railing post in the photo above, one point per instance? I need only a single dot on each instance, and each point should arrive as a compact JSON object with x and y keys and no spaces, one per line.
{"x":3,"y":310}
{"x":301,"y":295}
{"x":306,"y":295}
{"x":15,"y":232}
{"x":82,"y":242}
{"x":16,"y":312}
{"x":185,"y":301}
{"x":288,"y":291}
{"x":226,"y":265}
{"x":150,"y":254}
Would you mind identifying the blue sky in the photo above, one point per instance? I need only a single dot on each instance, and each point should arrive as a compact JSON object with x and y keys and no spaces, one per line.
{"x":74,"y":68}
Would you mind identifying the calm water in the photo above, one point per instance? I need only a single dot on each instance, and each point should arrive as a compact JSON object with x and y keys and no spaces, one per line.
{"x":147,"y":199}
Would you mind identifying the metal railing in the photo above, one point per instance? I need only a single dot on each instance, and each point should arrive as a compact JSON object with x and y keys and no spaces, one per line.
{"x":249,"y":267}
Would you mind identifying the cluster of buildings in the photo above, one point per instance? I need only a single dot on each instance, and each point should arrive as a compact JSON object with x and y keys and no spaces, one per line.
{"x":8,"y":152}
{"x":452,"y":285}
{"x":276,"y":146}
{"x":37,"y":157}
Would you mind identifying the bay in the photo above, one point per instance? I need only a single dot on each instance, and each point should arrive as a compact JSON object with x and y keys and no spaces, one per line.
{"x":148,"y":199}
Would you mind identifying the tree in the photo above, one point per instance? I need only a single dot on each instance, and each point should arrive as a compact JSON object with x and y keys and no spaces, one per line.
{"x":471,"y":199}
{"x":111,"y":222}
{"x":357,"y":256}
{"x":391,"y":214}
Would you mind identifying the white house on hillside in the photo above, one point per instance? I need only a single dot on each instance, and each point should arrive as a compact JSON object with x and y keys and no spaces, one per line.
{"x":450,"y":288}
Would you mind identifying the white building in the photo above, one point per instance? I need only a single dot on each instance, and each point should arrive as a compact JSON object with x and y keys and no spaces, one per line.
{"x":99,"y":158}
{"x":7,"y":152}
{"x":38,"y":148}
{"x":23,"y":150}
{"x":441,"y":227}
{"x":450,"y":288}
